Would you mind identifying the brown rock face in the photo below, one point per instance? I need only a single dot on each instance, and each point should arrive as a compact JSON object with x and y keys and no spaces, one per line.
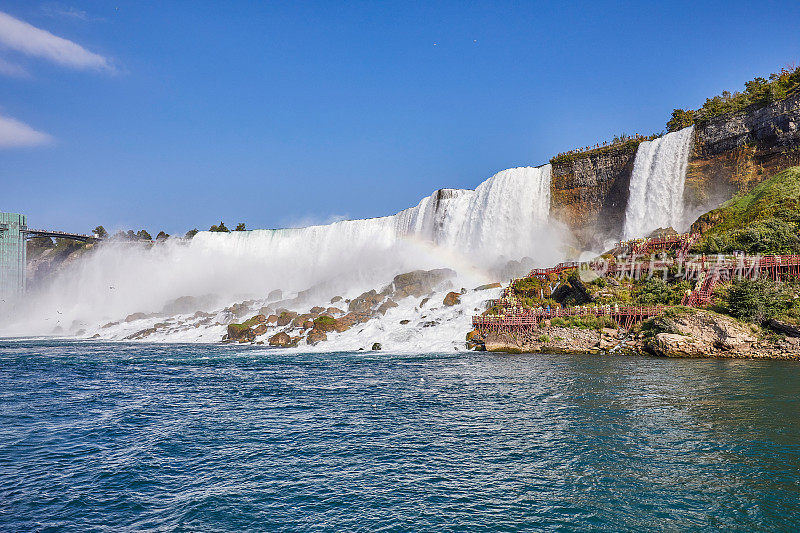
{"x":418,"y":283}
{"x":308,"y":324}
{"x":334,"y":311}
{"x":281,"y":339}
{"x":260,"y":330}
{"x":317,"y":310}
{"x":315,"y":336}
{"x":488,"y":286}
{"x":258,"y":319}
{"x":452,"y":299}
{"x":240,"y":333}
{"x":135,"y":316}
{"x":590,"y":193}
{"x":385,"y":306}
{"x":736,"y":151}
{"x":701,"y":334}
{"x":286,"y":317}
{"x":365,"y":303}
{"x":272,"y":319}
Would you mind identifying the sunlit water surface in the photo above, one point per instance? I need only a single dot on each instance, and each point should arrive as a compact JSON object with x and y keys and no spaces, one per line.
{"x":103,"y":437}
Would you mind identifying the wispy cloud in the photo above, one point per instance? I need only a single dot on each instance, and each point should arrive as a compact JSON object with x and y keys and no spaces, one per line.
{"x":30,"y":40}
{"x":15,"y":134}
{"x":12,"y":70}
{"x":71,"y":12}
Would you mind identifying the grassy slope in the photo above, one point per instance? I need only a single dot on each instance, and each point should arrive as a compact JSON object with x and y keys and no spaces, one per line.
{"x":777,"y":197}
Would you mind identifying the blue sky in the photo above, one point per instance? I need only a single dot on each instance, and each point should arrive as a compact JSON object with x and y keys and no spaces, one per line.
{"x":173,"y":115}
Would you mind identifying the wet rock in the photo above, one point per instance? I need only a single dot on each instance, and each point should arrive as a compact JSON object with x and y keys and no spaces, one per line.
{"x":141,"y":334}
{"x":349,"y":320}
{"x":240,"y":333}
{"x":257,"y":319}
{"x":364,"y":303}
{"x":281,"y":339}
{"x":385,"y":306}
{"x":135,"y":316}
{"x":286,"y":317}
{"x":336,"y":299}
{"x":424,"y":301}
{"x":317,"y":310}
{"x":404,"y":322}
{"x":277,"y":294}
{"x":308,"y":324}
{"x":260,"y":330}
{"x":315,"y":336}
{"x":110,"y":324}
{"x":325,"y":323}
{"x":376,"y":346}
{"x":334,"y":311}
{"x":272,"y":319}
{"x":240,"y":309}
{"x":266,"y":311}
{"x":452,"y":298}
{"x":419,"y":282}
{"x":299,"y":320}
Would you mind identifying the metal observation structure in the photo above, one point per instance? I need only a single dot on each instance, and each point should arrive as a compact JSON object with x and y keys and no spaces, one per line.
{"x":14,"y":233}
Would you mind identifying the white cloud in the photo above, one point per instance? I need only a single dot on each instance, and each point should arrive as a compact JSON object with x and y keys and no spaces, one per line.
{"x":30,"y":40}
{"x":14,"y":134}
{"x":12,"y":70}
{"x":57,"y":10}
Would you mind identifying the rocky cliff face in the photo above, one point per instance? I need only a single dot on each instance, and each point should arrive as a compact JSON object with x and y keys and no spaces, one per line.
{"x":730,"y":153}
{"x":589,"y":193}
{"x":736,"y":151}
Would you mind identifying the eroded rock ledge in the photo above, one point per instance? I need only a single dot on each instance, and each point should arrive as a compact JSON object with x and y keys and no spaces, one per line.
{"x":682,"y":333}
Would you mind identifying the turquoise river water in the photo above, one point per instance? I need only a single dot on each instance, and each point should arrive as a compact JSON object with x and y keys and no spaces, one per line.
{"x":111,"y":437}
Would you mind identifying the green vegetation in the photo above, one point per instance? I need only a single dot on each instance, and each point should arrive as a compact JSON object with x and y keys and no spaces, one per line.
{"x":101,"y":232}
{"x":681,"y":118}
{"x":191,"y":233}
{"x":219,"y":229}
{"x":621,"y":142}
{"x":324,"y":320}
{"x":758,"y":300}
{"x":162,"y":236}
{"x":656,"y":291}
{"x":239,"y":227}
{"x":585,"y":322}
{"x":758,"y":91}
{"x":764,"y":220}
{"x":142,"y":235}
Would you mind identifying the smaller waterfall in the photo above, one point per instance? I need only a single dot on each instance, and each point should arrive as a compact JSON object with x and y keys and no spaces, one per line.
{"x":656,"y":189}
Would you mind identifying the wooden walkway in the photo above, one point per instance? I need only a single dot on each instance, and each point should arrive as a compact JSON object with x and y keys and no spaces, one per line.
{"x":707,"y":271}
{"x":625,"y":316}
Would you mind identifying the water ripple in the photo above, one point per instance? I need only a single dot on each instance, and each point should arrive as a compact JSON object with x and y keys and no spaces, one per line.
{"x":101,"y":437}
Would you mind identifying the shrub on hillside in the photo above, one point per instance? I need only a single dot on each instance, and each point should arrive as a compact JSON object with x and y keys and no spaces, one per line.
{"x":771,"y":236}
{"x":758,"y":300}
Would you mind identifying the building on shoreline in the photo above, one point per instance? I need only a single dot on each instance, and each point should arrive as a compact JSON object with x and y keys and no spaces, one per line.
{"x":12,"y":256}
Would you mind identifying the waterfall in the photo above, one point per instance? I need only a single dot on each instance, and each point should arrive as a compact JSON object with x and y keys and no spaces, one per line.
{"x":498,"y":218}
{"x":504,"y":218}
{"x":656,"y":188}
